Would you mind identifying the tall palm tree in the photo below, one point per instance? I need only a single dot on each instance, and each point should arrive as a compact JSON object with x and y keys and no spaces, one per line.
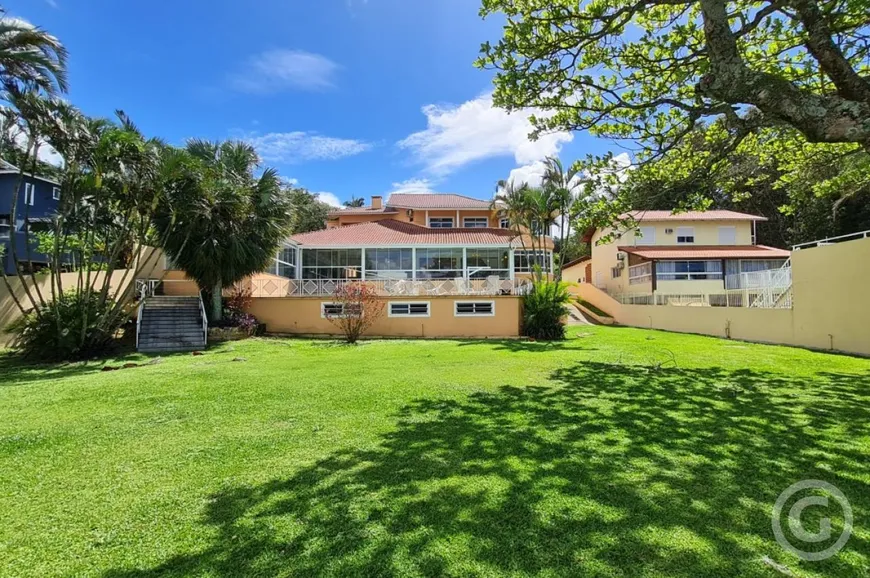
{"x":355,"y":202}
{"x":228,"y":224}
{"x":30,"y":58}
{"x":562,"y":185}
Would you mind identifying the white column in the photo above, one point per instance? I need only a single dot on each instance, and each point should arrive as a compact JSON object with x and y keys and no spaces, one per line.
{"x":511,"y":263}
{"x":363,"y":263}
{"x":414,"y":255}
{"x":458,"y":224}
{"x":298,"y":263}
{"x":464,"y":262}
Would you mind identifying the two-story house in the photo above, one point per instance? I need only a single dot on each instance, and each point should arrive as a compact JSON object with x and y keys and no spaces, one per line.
{"x":38,"y":199}
{"x":690,"y":253}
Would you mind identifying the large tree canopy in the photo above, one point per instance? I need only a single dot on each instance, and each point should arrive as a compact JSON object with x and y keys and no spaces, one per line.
{"x":648,"y":70}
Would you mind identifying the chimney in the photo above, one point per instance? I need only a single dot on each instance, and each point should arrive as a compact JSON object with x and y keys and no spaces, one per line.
{"x":377,"y":202}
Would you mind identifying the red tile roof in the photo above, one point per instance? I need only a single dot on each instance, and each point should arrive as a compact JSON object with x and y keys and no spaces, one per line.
{"x":436,"y":201}
{"x":707,"y":252}
{"x":576,"y":262}
{"x":691,"y":216}
{"x":334,"y":214}
{"x":392,"y":232}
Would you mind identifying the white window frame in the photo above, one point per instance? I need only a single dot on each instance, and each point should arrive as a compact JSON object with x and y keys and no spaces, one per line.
{"x":428,"y":305}
{"x":55,"y":193}
{"x":485,"y":221}
{"x":440,"y":219}
{"x":325,"y":304}
{"x":647,"y":236}
{"x":504,"y":223}
{"x":456,"y":312}
{"x":685,"y":232}
{"x":733,"y":233}
{"x":29,"y":193}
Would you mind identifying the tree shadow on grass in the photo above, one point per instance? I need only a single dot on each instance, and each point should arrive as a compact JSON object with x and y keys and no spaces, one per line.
{"x":615,"y":470}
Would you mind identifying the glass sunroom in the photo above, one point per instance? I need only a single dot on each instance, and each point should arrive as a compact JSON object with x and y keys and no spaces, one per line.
{"x":407,"y":263}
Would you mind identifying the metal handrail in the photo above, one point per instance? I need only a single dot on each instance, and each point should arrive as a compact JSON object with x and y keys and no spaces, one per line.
{"x":204,"y":321}
{"x":829,"y":240}
{"x":139,"y":319}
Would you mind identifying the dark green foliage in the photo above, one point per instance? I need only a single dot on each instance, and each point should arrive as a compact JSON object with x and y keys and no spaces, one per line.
{"x":544,"y":309}
{"x":87,"y":327}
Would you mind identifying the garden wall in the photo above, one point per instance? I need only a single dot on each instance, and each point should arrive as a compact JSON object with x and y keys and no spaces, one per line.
{"x":9,"y":312}
{"x":302,"y":316}
{"x":831,"y":309}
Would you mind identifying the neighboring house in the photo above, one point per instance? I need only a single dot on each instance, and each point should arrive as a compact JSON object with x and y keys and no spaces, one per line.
{"x":38,"y":200}
{"x":693,"y":253}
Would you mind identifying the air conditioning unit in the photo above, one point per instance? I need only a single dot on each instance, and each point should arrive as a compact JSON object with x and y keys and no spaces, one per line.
{"x":669,"y":231}
{"x":621,"y":255}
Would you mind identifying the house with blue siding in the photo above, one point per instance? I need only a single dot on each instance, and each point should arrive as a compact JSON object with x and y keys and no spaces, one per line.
{"x":38,"y":200}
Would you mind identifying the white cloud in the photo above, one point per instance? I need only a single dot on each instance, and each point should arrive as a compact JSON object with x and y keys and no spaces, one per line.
{"x":476,"y":130}
{"x":413,"y":187}
{"x":280,"y":70}
{"x":298,"y":146}
{"x":328,"y":198}
{"x":51,"y":3}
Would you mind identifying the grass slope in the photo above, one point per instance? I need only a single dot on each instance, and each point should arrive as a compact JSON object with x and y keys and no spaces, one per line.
{"x":619,"y":452}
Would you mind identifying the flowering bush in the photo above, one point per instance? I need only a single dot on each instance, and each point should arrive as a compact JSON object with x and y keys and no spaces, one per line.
{"x":357,"y":307}
{"x":235,"y":314}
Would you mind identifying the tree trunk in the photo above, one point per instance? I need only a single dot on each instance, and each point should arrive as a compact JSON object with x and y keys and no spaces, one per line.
{"x":216,"y":302}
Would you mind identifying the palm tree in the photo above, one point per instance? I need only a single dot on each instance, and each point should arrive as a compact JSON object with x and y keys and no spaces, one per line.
{"x":225,"y":223}
{"x":30,"y":58}
{"x":355,"y":202}
{"x":562,"y":185}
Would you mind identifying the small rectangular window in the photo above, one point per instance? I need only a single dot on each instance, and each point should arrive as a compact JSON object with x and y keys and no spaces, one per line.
{"x":5,"y":225}
{"x":727,"y":235}
{"x":55,"y":193}
{"x":646,"y":236}
{"x":615,"y":272}
{"x":474,"y":308}
{"x":475,"y":222}
{"x":29,"y":194}
{"x":441,"y":222}
{"x":411,"y":309}
{"x":504,"y":223}
{"x":338,"y":310}
{"x":685,"y":235}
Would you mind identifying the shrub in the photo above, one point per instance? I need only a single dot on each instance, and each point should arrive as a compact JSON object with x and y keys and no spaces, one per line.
{"x":544,"y":308}
{"x":235,"y":311}
{"x":75,"y":326}
{"x":357,"y":307}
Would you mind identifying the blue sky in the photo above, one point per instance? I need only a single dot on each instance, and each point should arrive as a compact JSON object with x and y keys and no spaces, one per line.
{"x":347,"y":97}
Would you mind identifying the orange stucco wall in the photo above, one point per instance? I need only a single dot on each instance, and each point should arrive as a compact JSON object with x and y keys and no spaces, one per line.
{"x":302,"y":315}
{"x":419,"y":216}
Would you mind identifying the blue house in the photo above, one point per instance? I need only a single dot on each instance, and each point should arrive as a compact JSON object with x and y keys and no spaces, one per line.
{"x":38,"y":199}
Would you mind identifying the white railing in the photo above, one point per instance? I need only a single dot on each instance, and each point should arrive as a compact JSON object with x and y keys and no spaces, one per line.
{"x":639,"y":274}
{"x":831,"y":240}
{"x":777,"y":291}
{"x":781,"y":299}
{"x":758,"y":279}
{"x":274,"y":287}
{"x":204,"y":322}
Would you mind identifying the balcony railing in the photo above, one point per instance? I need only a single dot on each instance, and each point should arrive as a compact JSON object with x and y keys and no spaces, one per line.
{"x":758,"y":298}
{"x":278,"y":287}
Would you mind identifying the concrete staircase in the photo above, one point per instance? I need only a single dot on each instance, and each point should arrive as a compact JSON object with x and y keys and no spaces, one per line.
{"x":170,"y":324}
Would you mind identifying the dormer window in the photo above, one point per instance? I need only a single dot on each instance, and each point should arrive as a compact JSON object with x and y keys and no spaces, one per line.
{"x":504,"y":223}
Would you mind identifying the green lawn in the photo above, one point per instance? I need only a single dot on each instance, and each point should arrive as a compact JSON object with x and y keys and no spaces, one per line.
{"x":619,"y":452}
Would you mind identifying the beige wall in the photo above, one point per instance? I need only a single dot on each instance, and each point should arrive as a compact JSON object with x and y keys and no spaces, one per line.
{"x":576,"y":273}
{"x":830,"y":309}
{"x":302,"y":315}
{"x":9,"y":312}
